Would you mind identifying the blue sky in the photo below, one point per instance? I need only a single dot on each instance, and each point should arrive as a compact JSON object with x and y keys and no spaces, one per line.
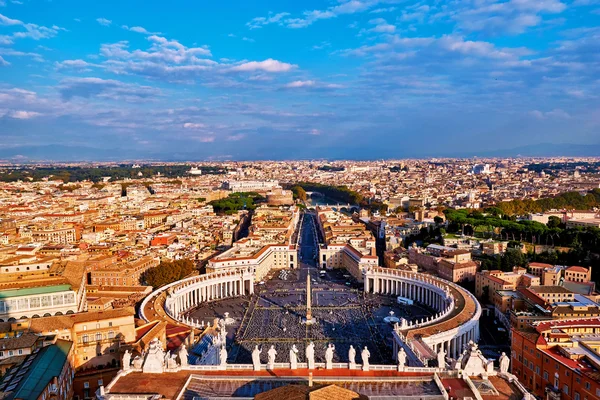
{"x":299,"y":79}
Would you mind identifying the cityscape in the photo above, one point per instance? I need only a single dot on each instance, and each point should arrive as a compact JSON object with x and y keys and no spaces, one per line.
{"x":300,"y":200}
{"x":437,"y":279}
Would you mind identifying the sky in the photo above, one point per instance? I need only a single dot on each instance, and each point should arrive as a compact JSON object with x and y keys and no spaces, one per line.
{"x":281,"y":79}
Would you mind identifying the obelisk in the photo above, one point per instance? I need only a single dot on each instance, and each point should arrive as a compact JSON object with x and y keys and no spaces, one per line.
{"x":308,"y":300}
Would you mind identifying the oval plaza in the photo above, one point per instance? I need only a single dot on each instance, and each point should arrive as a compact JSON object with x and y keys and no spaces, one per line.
{"x":356,"y":328}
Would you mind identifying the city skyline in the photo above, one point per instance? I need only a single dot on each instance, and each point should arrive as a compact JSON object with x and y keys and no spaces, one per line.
{"x":343,"y":79}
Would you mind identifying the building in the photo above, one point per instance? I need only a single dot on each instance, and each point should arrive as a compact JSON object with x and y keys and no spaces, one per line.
{"x":457,"y":271}
{"x":38,"y":301}
{"x":280,"y":197}
{"x":496,"y":280}
{"x":492,"y":248}
{"x":47,"y":373}
{"x":97,"y":336}
{"x":250,"y":186}
{"x":578,"y":274}
{"x":261,"y":258}
{"x":125,"y":273}
{"x":61,"y":235}
{"x":559,"y":359}
{"x":348,"y":244}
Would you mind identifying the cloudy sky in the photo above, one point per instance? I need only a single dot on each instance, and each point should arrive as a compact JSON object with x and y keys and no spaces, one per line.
{"x":298,"y":79}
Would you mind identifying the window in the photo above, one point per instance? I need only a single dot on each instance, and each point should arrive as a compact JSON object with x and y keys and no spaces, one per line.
{"x":98,"y":336}
{"x":587,"y":386}
{"x":86,"y":385}
{"x":111,"y":335}
{"x":100,"y":382}
{"x":20,"y":351}
{"x":566,"y":389}
{"x":85,"y":339}
{"x":576,"y":396}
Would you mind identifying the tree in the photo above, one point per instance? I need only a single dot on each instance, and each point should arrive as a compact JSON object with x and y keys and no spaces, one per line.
{"x":553,"y":222}
{"x":438,"y":220}
{"x":299,"y":192}
{"x":168,"y":272}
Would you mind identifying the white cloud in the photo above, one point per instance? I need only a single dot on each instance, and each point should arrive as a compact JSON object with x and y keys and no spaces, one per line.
{"x":3,"y":62}
{"x":268,"y":65}
{"x":381,"y":26}
{"x":15,"y":53}
{"x":314,"y":132}
{"x":106,"y":89}
{"x":104,"y":21}
{"x":5,"y":21}
{"x":247,"y":39}
{"x":300,"y":84}
{"x":74,"y":64}
{"x":344,"y":7}
{"x":193,"y":125}
{"x":512,"y":16}
{"x":259,"y":22}
{"x":24,"y":114}
{"x":139,"y":29}
{"x":383,"y":10}
{"x":235,"y":138}
{"x":557,"y":113}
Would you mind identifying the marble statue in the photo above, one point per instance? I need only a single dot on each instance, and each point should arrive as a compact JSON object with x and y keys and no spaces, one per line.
{"x":183,"y":356}
{"x":256,"y":358}
{"x":223,"y":357}
{"x":294,"y":357}
{"x":401,"y":359}
{"x":154,"y":360}
{"x":310,"y":355}
{"x":441,"y":358}
{"x":271,"y":354}
{"x":171,"y":361}
{"x":504,"y":363}
{"x":329,"y":356}
{"x":365,"y":354}
{"x":126,"y":360}
{"x":166,"y":358}
{"x":137,"y":362}
{"x":352,"y":357}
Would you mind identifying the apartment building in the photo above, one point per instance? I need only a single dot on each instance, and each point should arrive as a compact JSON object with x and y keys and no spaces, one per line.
{"x":97,"y":336}
{"x":559,"y":359}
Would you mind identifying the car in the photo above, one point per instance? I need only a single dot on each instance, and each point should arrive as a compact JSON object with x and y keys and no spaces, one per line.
{"x":261,"y":282}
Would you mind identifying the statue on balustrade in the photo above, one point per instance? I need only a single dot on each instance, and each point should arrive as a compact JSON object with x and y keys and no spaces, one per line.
{"x":401,"y":359}
{"x":271,"y":354}
{"x":441,"y":358}
{"x":183,"y":356}
{"x":310,"y":355}
{"x":352,"y":357}
{"x":329,"y":356}
{"x":294,"y":357}
{"x":256,"y":358}
{"x":223,"y":357}
{"x":126,"y":360}
{"x":504,"y":363}
{"x":365,"y":355}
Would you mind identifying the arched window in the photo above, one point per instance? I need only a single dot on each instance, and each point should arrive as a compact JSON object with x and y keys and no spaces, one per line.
{"x":98,"y":336}
{"x":85,"y":338}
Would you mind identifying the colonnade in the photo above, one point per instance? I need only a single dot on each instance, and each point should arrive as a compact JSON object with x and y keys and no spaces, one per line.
{"x":191,"y":292}
{"x":438,"y":294}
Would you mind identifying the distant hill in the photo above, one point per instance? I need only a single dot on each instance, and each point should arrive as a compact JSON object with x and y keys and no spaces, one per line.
{"x":56,"y":152}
